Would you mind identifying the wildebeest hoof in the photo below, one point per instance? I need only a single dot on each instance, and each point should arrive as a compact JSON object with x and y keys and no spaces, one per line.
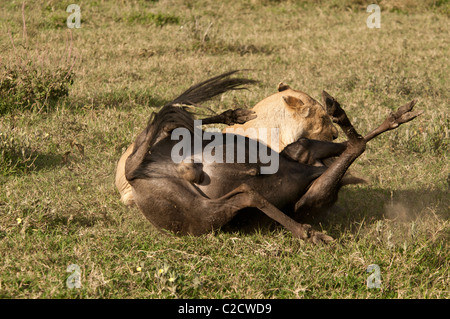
{"x":318,"y":238}
{"x":305,"y":232}
{"x":402,"y":115}
{"x":333,"y":108}
{"x":302,"y":231}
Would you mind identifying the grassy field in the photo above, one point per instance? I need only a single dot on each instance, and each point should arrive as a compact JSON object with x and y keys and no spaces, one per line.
{"x":73,"y":99}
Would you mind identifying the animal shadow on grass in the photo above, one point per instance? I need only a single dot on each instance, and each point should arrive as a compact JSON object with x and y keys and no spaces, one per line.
{"x":22,"y":160}
{"x":47,"y":160}
{"x":354,"y":207}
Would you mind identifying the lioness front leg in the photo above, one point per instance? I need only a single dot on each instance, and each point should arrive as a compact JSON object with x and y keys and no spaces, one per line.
{"x":230,"y":117}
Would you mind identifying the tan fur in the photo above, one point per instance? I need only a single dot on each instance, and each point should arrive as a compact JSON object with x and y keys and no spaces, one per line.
{"x":125,"y":189}
{"x":293,"y":112}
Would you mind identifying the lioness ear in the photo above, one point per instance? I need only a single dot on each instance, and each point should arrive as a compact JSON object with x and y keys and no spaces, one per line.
{"x":283,"y":87}
{"x":297,"y":105}
{"x":292,"y":102}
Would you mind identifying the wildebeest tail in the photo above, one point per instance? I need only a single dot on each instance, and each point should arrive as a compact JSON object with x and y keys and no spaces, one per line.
{"x":171,"y":116}
{"x":210,"y":88}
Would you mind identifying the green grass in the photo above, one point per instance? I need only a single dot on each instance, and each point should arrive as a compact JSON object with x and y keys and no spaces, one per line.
{"x":58,"y":202}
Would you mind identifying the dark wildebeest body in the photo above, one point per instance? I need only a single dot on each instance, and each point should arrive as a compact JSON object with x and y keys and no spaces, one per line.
{"x":195,"y":198}
{"x":217,"y":179}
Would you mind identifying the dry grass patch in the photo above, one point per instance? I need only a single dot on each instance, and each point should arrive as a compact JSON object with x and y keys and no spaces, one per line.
{"x":58,"y":204}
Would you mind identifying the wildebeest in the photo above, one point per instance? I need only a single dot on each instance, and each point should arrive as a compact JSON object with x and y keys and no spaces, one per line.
{"x":194,"y":197}
{"x":294,"y":113}
{"x":122,"y":185}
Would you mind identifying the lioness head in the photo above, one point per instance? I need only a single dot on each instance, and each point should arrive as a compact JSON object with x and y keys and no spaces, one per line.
{"x":295,"y":114}
{"x":305,"y":117}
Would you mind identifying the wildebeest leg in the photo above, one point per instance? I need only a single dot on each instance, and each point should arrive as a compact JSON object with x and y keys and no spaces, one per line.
{"x":214,"y":213}
{"x":394,"y":120}
{"x":319,"y":153}
{"x":323,"y":190}
{"x":311,"y":152}
{"x":230,"y":117}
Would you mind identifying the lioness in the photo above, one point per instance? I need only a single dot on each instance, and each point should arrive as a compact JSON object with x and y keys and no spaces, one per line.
{"x":294,"y":113}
